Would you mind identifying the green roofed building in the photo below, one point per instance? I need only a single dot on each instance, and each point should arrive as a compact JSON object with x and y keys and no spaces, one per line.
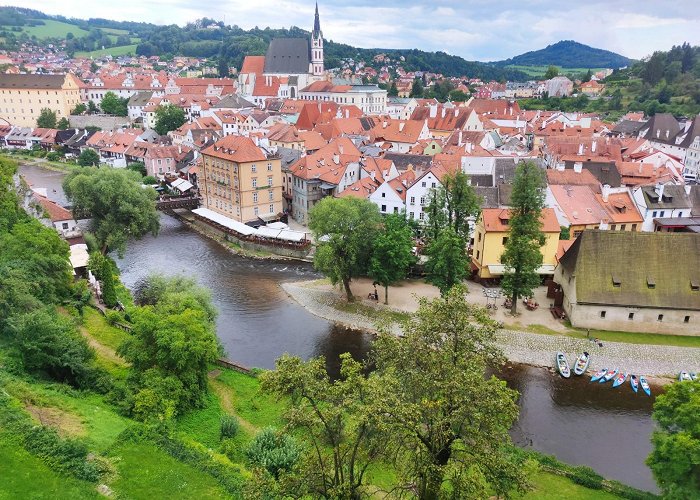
{"x":632,"y":281}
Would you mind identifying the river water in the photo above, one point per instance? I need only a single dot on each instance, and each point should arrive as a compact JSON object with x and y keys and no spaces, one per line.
{"x":578,"y":422}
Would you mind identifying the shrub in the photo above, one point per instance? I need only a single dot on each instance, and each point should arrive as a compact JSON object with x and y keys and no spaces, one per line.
{"x":54,"y":156}
{"x":275,"y":452}
{"x":148,"y":180}
{"x":229,"y":426}
{"x":68,"y":456}
{"x":585,"y":476}
{"x":113,"y":317}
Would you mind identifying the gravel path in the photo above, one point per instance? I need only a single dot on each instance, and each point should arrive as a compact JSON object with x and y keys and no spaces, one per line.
{"x":526,"y":347}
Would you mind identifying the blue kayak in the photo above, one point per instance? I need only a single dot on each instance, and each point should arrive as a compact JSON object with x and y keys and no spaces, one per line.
{"x":610,"y":375}
{"x":599,"y":374}
{"x":620,"y":379}
{"x":634,"y":382}
{"x":645,"y":385}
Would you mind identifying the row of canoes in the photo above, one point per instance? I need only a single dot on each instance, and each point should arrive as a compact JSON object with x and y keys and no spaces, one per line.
{"x":603,"y":375}
{"x":685,"y":376}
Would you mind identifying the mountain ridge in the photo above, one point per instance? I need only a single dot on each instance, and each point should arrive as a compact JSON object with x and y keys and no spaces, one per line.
{"x":568,"y":54}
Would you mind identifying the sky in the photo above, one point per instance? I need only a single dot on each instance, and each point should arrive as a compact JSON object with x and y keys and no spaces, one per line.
{"x":482,"y":31}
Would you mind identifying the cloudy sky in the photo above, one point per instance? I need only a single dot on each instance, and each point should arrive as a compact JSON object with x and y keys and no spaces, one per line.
{"x":482,"y":31}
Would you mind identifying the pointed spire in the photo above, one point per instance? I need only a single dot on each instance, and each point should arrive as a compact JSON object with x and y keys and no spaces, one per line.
{"x":317,"y":24}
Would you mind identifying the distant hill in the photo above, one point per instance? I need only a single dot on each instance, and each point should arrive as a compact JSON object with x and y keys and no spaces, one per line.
{"x":569,"y":54}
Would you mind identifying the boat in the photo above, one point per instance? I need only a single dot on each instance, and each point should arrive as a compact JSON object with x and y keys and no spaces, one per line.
{"x":634,"y":382}
{"x":563,"y":365}
{"x":582,"y":363}
{"x":684,"y":376}
{"x":693,"y":376}
{"x":610,"y":375}
{"x":599,"y":374}
{"x":620,"y":379}
{"x":645,"y":385}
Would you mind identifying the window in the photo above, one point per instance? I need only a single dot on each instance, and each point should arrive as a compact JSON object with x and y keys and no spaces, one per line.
{"x":269,"y":167}
{"x":479,"y":236}
{"x":630,"y":316}
{"x":653,"y":214}
{"x":434,"y":185}
{"x":477,"y":255}
{"x":423,"y":184}
{"x":613,"y":227}
{"x":616,"y":281}
{"x":686,"y":319}
{"x":269,"y":180}
{"x":383,"y":208}
{"x":634,"y":227}
{"x":383,"y":195}
{"x":255,"y":197}
{"x":663,"y":212}
{"x":421,"y":216}
{"x":660,"y":317}
{"x":413,"y":200}
{"x":272,"y":208}
{"x":422,"y":201}
{"x":412,"y":215}
{"x":504,"y":240}
{"x":253,"y":168}
{"x":65,"y":225}
{"x":254,"y":180}
{"x":256,"y":211}
{"x":603,"y":313}
{"x":270,"y":195}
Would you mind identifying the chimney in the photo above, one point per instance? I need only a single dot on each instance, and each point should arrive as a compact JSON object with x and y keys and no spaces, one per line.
{"x":340,"y":148}
{"x":687,"y":189}
{"x":433,"y":110}
{"x":469,"y":147}
{"x":401,"y":126}
{"x":384,"y":124}
{"x":578,"y":167}
{"x":459,"y":139}
{"x":456,"y":112}
{"x":640,"y":167}
{"x":667,"y":132}
{"x":336,"y":159}
{"x":580,"y":149}
{"x":347,"y":113}
{"x":606,"y":192}
{"x":443,"y":112}
{"x":660,"y":191}
{"x":372,"y":174}
{"x":593,"y":146}
{"x":179,"y":149}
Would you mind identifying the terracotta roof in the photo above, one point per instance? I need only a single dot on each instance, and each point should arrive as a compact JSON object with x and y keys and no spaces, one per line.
{"x":401,"y":183}
{"x":620,"y":208}
{"x":235,"y":148}
{"x":570,"y":177}
{"x":253,"y":64}
{"x":56,"y":212}
{"x":360,"y":189}
{"x":580,"y":205}
{"x":496,"y":220}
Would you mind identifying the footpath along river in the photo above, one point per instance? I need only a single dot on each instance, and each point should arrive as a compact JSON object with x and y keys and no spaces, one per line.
{"x":578,"y":422}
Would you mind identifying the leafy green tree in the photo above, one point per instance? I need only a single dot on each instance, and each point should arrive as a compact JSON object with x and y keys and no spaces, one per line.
{"x":88,"y":158}
{"x":458,"y":96}
{"x":551,"y":72}
{"x":168,"y":117}
{"x":588,"y":76}
{"x":47,"y":118}
{"x":63,"y":124}
{"x":565,"y":233}
{"x":48,"y":342}
{"x":274,"y":451}
{"x":335,"y":421}
{"x":137,"y":167}
{"x":345,"y":229}
{"x":447,"y":419}
{"x":675,"y":458}
{"x":417,"y":88}
{"x":79,"y":109}
{"x":171,"y":346}
{"x":393,"y":90}
{"x":119,"y":207}
{"x":223,"y":67}
{"x":392,"y":252}
{"x":447,"y":260}
{"x":102,"y":268}
{"x":113,"y":105}
{"x":453,"y":204}
{"x":523,"y":255}
{"x":92,"y":107}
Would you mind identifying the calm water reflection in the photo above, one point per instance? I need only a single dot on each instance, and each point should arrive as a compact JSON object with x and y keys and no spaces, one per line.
{"x":580,"y":423}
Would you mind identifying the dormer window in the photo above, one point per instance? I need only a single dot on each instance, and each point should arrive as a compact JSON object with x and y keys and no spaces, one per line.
{"x":616,"y":281}
{"x":651,"y":282}
{"x":695,"y":285}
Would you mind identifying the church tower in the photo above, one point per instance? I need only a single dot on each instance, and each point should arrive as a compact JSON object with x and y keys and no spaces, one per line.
{"x":317,"y":47}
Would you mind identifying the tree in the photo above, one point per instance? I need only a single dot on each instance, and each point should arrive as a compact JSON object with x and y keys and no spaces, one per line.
{"x":92,"y":107}
{"x":452,"y":205}
{"x":344,"y":229}
{"x":449,"y":421}
{"x":168,"y":117}
{"x":447,"y":260}
{"x":223,"y":67}
{"x":393,"y":90}
{"x":63,"y":124}
{"x":117,"y":204}
{"x":392,"y":254}
{"x":47,"y":119}
{"x":588,"y":76}
{"x":522,"y":255}
{"x":79,"y":109}
{"x":334,"y":419}
{"x":675,"y":458}
{"x":101,"y":267}
{"x":137,"y":167}
{"x":170,"y":347}
{"x":88,"y":158}
{"x":274,"y":451}
{"x":113,"y":105}
{"x":417,"y":88}
{"x":551,"y":72}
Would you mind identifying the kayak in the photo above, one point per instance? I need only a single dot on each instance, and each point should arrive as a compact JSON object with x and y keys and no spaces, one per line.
{"x":634,"y":382}
{"x":610,"y":375}
{"x":684,"y":376}
{"x":693,"y":376}
{"x":599,"y":374}
{"x":582,"y":364}
{"x":620,"y":379}
{"x":563,"y":365}
{"x":645,"y":385}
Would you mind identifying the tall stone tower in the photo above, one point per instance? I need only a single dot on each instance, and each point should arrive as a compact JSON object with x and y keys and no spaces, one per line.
{"x":317,"y":47}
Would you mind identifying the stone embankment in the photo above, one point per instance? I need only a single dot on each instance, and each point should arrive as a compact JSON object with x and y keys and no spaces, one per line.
{"x":525,"y":347}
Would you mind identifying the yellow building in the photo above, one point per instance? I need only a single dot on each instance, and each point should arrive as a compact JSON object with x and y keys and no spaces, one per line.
{"x":490,"y":237}
{"x":22,"y":97}
{"x":238,"y":180}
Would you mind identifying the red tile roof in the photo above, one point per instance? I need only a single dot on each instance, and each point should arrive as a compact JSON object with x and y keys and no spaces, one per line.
{"x":496,"y":220}
{"x":235,"y":148}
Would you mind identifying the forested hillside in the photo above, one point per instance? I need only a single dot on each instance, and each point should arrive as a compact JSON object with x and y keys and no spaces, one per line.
{"x":569,"y":54}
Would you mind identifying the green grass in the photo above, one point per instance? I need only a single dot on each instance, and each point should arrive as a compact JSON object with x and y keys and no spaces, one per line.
{"x":203,"y":424}
{"x":378,"y":314}
{"x":259,"y":409}
{"x":638,"y":338}
{"x":26,"y":476}
{"x":54,"y":29}
{"x":552,"y":487}
{"x":146,"y":472}
{"x":121,"y":50}
{"x":98,"y":328}
{"x":539,"y":71}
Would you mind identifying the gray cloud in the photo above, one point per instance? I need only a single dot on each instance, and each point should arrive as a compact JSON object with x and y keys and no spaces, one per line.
{"x":475,"y":30}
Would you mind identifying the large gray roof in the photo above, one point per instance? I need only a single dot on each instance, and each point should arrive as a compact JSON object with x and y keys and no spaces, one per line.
{"x":32,"y":81}
{"x":233,"y":101}
{"x":287,"y":56}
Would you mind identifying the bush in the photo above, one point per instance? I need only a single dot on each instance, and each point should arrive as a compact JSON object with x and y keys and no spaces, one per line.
{"x":148,"y":180}
{"x":273,"y":451}
{"x":585,"y":476}
{"x":113,"y":317}
{"x":229,"y":426}
{"x":54,"y":156}
{"x":68,"y":456}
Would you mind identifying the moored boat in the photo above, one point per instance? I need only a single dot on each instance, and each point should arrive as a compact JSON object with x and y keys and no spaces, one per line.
{"x":684,"y":376}
{"x":582,"y":364}
{"x":620,"y":379}
{"x":563,"y":365}
{"x":693,"y":376}
{"x":634,"y":382}
{"x":645,"y":385}
{"x":599,"y":374}
{"x":610,"y":375}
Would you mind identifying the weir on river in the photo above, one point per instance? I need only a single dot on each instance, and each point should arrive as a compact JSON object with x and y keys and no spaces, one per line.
{"x":578,"y":422}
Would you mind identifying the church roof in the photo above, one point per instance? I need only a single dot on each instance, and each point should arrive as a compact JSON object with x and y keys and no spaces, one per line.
{"x":288,"y":56}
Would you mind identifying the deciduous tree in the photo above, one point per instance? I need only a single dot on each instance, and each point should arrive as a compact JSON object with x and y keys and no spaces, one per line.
{"x":63,"y":124}
{"x":392,"y":252}
{"x":168,"y":117}
{"x":88,"y":158}
{"x":113,"y":105}
{"x":47,"y":118}
{"x":117,"y":204}
{"x":447,"y":260}
{"x":345,"y":229}
{"x":551,"y":72}
{"x":522,"y":255}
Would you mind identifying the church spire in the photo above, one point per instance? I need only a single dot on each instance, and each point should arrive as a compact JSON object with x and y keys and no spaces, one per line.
{"x":317,"y":24}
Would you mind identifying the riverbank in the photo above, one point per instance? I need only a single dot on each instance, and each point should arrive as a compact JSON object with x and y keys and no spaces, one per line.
{"x":658,"y":362}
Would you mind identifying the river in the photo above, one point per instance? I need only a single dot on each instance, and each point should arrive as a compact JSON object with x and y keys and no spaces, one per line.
{"x":578,"y":422}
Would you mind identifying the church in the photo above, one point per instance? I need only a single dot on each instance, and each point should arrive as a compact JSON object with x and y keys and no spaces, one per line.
{"x":289,"y":65}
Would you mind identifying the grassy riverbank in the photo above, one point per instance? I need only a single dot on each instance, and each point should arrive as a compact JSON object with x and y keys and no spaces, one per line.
{"x":141,"y":465}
